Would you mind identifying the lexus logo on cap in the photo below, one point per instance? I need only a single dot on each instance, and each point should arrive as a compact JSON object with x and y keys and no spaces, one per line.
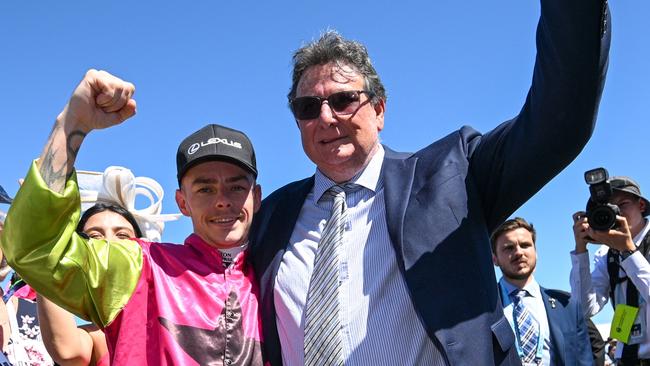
{"x":193,"y":148}
{"x":214,"y":140}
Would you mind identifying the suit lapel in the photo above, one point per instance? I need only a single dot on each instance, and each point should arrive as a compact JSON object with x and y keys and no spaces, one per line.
{"x":277,"y":233}
{"x":271,"y":239}
{"x":397,"y":173}
{"x":554,"y":312}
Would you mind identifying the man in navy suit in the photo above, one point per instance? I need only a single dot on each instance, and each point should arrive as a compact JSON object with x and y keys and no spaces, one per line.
{"x":555,"y":332}
{"x":413,"y":281}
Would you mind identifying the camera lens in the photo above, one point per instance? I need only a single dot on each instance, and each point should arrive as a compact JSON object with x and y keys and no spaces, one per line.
{"x":603,"y":217}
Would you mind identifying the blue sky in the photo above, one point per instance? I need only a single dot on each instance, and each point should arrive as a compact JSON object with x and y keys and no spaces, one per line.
{"x":444,"y":64}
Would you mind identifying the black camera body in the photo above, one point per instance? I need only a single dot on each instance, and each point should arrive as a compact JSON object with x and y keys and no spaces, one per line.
{"x":601,"y":214}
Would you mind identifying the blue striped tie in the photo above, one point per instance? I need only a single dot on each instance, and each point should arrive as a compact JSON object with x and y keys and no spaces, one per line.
{"x":322,"y":323}
{"x":527,"y":326}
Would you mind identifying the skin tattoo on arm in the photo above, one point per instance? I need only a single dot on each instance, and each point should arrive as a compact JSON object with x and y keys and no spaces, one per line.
{"x":101,"y":100}
{"x":58,"y":157}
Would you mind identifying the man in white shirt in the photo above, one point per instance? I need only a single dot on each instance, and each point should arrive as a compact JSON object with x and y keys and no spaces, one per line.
{"x":620,"y":261}
{"x":549,"y":328}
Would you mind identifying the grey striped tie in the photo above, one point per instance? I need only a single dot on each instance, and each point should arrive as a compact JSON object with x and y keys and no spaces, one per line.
{"x":322,"y":323}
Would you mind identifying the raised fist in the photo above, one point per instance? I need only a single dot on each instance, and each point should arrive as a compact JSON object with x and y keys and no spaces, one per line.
{"x":100,"y":100}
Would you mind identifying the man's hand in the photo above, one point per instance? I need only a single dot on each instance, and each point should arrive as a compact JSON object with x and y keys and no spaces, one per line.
{"x":618,"y":238}
{"x":580,"y":234}
{"x":100,"y":100}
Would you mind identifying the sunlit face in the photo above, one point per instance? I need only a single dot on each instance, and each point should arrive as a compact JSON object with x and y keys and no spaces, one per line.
{"x":515,"y":254}
{"x":221,"y":199}
{"x":108,"y":225}
{"x":631,"y":208}
{"x":339,"y":145}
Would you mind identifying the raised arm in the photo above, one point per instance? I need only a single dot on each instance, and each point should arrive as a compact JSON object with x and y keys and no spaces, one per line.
{"x":101,"y":100}
{"x":590,"y":289}
{"x":513,"y":161}
{"x":91,"y":278}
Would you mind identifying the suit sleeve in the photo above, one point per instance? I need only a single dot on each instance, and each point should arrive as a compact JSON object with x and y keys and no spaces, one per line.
{"x":585,"y":354}
{"x":91,"y":278}
{"x":513,"y":161}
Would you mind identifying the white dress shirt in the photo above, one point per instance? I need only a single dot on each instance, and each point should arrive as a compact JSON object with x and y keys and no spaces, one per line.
{"x":379,"y":322}
{"x":592,"y":289}
{"x":535,"y":304}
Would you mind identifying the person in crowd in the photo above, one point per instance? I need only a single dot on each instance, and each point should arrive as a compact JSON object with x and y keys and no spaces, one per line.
{"x":22,"y":342}
{"x":621,"y":272}
{"x":549,"y":329}
{"x":5,"y":327}
{"x":4,"y":318}
{"x":84,"y":345}
{"x":384,"y":239}
{"x":158,"y":304}
{"x":104,"y":198}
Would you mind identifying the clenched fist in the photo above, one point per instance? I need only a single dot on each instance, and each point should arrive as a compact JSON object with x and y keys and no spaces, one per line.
{"x":100,"y":100}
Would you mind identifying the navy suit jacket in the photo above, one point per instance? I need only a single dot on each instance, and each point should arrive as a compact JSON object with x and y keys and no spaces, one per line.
{"x":570,"y":342}
{"x":444,"y":200}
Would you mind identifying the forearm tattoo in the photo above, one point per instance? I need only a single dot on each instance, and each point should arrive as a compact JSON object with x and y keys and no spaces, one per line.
{"x":56,"y":165}
{"x":74,"y":143}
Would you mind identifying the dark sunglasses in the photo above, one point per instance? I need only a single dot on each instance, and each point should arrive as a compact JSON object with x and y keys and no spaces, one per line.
{"x":341,"y":103}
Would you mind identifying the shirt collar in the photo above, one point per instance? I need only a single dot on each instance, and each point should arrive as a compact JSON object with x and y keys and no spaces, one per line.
{"x":369,"y":177}
{"x":212,"y":255}
{"x":639,"y":237}
{"x":532,"y":288}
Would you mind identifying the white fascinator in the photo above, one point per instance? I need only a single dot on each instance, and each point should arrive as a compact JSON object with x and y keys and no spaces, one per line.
{"x":118,"y":185}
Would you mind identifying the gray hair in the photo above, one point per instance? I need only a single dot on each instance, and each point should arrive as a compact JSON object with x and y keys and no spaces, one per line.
{"x":332,"y":47}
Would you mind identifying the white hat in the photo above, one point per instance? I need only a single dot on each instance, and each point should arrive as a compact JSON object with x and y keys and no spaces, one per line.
{"x":118,"y":185}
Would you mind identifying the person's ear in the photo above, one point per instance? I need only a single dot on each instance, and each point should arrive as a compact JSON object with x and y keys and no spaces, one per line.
{"x":642,"y":205}
{"x":257,"y":197}
{"x":182,"y":202}
{"x":380,"y":108}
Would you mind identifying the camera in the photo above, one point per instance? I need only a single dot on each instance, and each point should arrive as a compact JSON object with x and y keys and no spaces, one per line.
{"x":600,"y":213}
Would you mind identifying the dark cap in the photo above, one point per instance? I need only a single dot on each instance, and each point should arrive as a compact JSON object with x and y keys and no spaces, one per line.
{"x":628,"y":185}
{"x":4,"y":197}
{"x":214,"y":142}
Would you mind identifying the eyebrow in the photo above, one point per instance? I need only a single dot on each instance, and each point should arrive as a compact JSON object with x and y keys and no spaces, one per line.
{"x":115,"y":228}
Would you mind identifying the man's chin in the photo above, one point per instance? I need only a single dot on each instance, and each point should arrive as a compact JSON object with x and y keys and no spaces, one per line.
{"x":521,"y":275}
{"x":223,"y":242}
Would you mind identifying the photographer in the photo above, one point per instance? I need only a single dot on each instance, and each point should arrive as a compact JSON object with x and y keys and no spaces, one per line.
{"x":621,"y":269}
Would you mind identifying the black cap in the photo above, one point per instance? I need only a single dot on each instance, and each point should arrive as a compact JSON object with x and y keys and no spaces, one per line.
{"x":215,"y":142}
{"x":628,"y":185}
{"x":4,"y":197}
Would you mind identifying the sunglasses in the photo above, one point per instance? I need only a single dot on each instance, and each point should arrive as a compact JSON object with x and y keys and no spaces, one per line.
{"x":341,"y":103}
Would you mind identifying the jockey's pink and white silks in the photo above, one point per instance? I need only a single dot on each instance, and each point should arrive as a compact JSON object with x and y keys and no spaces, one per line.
{"x":159,"y":304}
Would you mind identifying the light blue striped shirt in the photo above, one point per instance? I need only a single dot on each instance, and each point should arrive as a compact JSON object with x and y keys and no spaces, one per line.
{"x":379,"y":322}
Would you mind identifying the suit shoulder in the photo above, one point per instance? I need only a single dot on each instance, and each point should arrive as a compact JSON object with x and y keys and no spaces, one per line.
{"x":462,"y":139}
{"x":287,"y":191}
{"x":454,"y":149}
{"x":282,"y":196}
{"x":560,"y":295}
